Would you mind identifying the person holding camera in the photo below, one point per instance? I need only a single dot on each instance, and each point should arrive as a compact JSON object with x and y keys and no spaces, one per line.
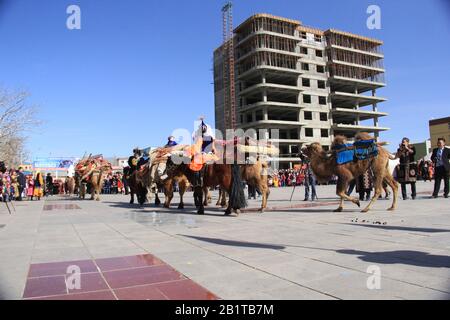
{"x":407,"y":169}
{"x":310,"y":179}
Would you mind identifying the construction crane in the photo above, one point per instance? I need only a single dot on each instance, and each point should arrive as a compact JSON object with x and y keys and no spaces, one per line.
{"x":228,"y":67}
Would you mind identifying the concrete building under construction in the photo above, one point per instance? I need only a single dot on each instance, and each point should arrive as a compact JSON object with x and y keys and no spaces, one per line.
{"x":275,"y":73}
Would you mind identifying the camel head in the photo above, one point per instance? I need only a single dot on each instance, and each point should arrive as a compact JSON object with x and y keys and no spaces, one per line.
{"x":313,"y":148}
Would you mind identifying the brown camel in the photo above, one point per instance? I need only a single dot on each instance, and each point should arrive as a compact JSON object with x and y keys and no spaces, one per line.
{"x":69,"y":184}
{"x":149,"y":179}
{"x":324,"y":167}
{"x":220,"y":175}
{"x":95,"y":179}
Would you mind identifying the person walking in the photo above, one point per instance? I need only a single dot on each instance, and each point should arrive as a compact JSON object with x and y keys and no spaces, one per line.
{"x":49,"y":184}
{"x":407,"y":168}
{"x":364,"y":186}
{"x":22,"y":182}
{"x":441,"y":160}
{"x":30,"y":188}
{"x":38,"y":190}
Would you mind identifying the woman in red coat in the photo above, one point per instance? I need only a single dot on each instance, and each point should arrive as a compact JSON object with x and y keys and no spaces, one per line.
{"x":30,"y":188}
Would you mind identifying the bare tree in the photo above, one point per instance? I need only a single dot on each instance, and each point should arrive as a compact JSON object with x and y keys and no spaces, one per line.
{"x":17,"y":119}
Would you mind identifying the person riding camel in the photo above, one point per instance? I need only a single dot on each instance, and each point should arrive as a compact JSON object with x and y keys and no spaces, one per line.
{"x":203,"y":139}
{"x":133,"y":160}
{"x":170,"y":142}
{"x":202,"y":151}
{"x":144,"y":159}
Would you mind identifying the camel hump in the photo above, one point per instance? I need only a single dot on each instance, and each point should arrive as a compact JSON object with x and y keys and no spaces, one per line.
{"x":339,"y":140}
{"x":363,"y":136}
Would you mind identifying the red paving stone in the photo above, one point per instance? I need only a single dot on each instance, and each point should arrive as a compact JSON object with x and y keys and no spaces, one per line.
{"x":111,"y":264}
{"x":45,"y":286}
{"x":60,"y":268}
{"x":97,"y":295}
{"x":146,"y":292}
{"x":185,"y":290}
{"x":90,"y":282}
{"x":141,"y":277}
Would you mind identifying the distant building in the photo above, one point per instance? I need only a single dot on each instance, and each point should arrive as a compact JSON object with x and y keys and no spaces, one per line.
{"x":439,"y":128}
{"x":308,"y":83}
{"x":422,"y":149}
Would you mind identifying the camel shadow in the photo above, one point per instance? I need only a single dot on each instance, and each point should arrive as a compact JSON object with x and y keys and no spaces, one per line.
{"x":150,"y":208}
{"x":234,"y":243}
{"x":408,"y":257}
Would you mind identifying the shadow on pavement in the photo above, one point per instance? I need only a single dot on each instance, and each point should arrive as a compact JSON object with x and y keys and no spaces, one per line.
{"x":150,"y":208}
{"x":234,"y":243}
{"x":411,"y":229}
{"x":414,"y":258}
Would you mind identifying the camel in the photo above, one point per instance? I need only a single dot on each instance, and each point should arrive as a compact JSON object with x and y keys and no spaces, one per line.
{"x":95,"y":179}
{"x":136,"y":188}
{"x":92,"y":171}
{"x":149,"y":177}
{"x":324,"y":166}
{"x":70,"y":185}
{"x":214,"y":174}
{"x":220,"y":175}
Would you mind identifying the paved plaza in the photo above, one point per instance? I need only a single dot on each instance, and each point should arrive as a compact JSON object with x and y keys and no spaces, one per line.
{"x":295,"y":250}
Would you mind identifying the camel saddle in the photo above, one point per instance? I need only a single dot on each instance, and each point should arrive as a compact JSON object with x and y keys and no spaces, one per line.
{"x":357,"y":151}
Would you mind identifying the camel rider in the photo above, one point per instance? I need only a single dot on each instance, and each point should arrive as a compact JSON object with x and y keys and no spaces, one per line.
{"x":144,"y":159}
{"x":170,"y":142}
{"x":203,"y":139}
{"x":133,"y":160}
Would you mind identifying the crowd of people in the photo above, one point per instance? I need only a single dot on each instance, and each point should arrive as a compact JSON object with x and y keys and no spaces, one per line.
{"x":15,"y":185}
{"x":115,"y":184}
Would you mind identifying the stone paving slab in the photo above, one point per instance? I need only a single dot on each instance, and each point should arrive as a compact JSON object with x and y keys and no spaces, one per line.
{"x":292,"y":251}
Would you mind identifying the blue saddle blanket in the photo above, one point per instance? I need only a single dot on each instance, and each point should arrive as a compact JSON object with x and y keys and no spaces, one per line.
{"x":359,"y":150}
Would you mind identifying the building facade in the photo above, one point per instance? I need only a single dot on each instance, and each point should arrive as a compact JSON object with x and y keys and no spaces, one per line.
{"x":439,"y":128}
{"x":306,"y":83}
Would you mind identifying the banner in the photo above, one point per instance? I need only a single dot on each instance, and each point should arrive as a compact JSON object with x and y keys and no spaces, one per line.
{"x":53,"y":163}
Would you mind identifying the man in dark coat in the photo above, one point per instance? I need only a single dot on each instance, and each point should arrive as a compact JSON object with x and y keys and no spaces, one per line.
{"x":22,"y":181}
{"x":441,"y":160}
{"x":49,"y":184}
{"x":133,"y":160}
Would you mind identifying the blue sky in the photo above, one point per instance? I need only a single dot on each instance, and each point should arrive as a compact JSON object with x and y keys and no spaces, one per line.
{"x":139,"y":69}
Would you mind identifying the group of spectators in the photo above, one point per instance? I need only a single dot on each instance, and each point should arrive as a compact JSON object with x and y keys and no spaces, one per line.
{"x":15,"y":185}
{"x":292,"y":177}
{"x":115,"y":184}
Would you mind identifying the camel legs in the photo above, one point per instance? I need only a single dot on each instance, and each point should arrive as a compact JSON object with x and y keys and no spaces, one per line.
{"x":265,"y":195}
{"x":207,"y":195}
{"x":394,"y":186}
{"x":223,"y":198}
{"x":378,"y":183}
{"x":168,"y":192}
{"x":182,"y":186}
{"x":341,"y":191}
{"x":378,"y":190}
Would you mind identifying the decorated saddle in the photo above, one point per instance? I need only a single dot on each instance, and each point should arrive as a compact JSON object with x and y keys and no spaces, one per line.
{"x":359,"y":150}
